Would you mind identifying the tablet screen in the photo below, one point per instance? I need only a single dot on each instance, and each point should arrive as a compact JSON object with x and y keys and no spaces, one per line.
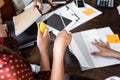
{"x":56,"y":21}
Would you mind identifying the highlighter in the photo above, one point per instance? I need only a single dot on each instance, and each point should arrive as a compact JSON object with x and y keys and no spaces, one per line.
{"x":41,"y":26}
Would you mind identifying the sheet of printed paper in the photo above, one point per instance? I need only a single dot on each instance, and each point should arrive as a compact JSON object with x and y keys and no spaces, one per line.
{"x":25,"y":19}
{"x":91,"y":35}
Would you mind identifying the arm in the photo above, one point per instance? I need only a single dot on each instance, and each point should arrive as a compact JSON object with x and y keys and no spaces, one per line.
{"x":105,"y":50}
{"x":60,"y":44}
{"x":42,"y":43}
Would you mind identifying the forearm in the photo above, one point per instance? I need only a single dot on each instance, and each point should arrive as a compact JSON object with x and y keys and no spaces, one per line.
{"x":44,"y":62}
{"x":58,"y":67}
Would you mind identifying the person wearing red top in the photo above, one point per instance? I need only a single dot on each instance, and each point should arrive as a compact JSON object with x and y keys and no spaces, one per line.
{"x":14,"y":67}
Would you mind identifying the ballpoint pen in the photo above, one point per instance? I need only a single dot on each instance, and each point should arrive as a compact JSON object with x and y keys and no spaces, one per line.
{"x":62,"y":20}
{"x":39,"y":10}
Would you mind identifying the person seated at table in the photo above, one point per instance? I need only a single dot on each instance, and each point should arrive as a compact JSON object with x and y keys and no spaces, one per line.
{"x":13,"y":66}
{"x":61,"y":42}
{"x":105,"y":50}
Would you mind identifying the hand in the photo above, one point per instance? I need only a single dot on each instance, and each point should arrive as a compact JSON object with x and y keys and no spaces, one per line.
{"x":43,"y":41}
{"x":2,"y":3}
{"x":36,"y":3}
{"x":105,"y":50}
{"x":62,"y":41}
{"x":2,"y":31}
{"x":53,"y":4}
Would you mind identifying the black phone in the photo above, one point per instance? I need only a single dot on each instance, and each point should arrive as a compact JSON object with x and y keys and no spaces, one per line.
{"x":79,"y":3}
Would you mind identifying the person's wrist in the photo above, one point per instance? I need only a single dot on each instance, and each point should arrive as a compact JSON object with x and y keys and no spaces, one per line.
{"x":117,"y":55}
{"x":58,"y":53}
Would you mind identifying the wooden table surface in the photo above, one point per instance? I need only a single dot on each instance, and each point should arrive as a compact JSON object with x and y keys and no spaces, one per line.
{"x":109,"y":17}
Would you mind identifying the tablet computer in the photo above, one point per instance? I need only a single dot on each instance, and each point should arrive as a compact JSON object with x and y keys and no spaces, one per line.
{"x":57,"y":22}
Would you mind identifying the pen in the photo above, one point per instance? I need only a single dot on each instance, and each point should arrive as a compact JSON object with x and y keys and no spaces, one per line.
{"x":112,"y":3}
{"x":39,"y":10}
{"x":109,"y":3}
{"x":62,"y":20}
{"x":98,"y":2}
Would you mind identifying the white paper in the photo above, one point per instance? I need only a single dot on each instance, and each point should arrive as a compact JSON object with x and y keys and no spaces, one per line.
{"x":83,"y":43}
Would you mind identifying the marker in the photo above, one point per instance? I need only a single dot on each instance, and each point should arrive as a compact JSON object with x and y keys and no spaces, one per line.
{"x":39,"y":10}
{"x":98,"y":2}
{"x":62,"y":20}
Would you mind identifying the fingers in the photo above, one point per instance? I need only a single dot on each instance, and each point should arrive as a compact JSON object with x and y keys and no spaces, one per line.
{"x":100,"y":43}
{"x":36,"y":3}
{"x":96,"y":53}
{"x":46,"y":33}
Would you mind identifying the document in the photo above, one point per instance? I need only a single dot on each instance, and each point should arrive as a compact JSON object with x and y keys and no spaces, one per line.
{"x":82,"y":48}
{"x":77,"y":15}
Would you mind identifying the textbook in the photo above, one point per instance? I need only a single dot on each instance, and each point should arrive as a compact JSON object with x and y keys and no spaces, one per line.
{"x":82,"y":48}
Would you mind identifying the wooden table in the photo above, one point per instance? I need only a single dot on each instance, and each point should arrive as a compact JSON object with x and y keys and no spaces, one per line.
{"x":109,"y":17}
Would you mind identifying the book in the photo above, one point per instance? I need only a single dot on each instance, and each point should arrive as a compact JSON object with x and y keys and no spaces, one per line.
{"x":24,"y":20}
{"x":27,"y":38}
{"x":82,"y":48}
{"x":77,"y":16}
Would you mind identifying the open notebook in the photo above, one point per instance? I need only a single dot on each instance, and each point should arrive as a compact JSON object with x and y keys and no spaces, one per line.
{"x":82,"y":48}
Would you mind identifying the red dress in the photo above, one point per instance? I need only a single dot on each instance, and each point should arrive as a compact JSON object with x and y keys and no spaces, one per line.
{"x":13,"y":67}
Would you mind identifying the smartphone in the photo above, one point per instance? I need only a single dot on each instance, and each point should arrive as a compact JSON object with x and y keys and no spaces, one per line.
{"x":79,"y":3}
{"x":59,"y":1}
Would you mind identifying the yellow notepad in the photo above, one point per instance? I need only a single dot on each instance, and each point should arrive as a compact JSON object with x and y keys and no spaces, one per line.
{"x":113,"y":38}
{"x":88,"y":11}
